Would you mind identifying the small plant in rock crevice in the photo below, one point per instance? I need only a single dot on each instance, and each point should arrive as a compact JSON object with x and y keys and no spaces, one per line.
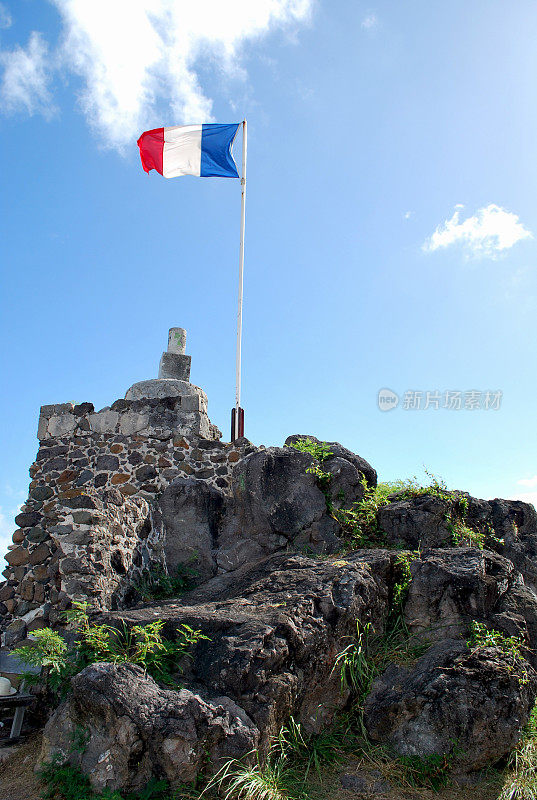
{"x":157,"y":584}
{"x":402,"y":567}
{"x":513,"y":647}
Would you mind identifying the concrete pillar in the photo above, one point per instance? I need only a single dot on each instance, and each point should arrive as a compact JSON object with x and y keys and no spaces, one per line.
{"x":177,"y":341}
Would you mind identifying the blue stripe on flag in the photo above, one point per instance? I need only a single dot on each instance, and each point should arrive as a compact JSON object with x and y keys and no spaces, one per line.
{"x":216,"y":158}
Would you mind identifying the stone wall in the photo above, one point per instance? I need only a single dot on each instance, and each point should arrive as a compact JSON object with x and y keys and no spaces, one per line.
{"x":85,"y":530}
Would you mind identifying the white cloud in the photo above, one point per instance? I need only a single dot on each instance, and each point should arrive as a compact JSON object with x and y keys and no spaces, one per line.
{"x":488,"y":233}
{"x":5,"y":17}
{"x":25,"y":83}
{"x":140,"y":61}
{"x":370,"y":21}
{"x":407,"y":214}
{"x":529,"y":482}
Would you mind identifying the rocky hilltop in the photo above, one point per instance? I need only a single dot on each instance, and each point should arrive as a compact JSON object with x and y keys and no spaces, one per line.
{"x":305,"y":589}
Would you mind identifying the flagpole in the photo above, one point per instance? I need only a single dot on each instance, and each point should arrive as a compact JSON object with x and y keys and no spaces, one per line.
{"x":237,"y":428}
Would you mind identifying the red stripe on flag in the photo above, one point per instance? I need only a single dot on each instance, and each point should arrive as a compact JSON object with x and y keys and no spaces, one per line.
{"x":151,"y":144}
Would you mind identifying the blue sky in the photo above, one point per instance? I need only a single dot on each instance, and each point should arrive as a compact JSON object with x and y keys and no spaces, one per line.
{"x":391,"y":222}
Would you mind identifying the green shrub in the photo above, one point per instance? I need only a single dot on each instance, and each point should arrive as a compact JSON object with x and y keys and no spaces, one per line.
{"x":142,"y":645}
{"x":359,"y":521}
{"x":402,"y":565}
{"x":318,"y":450}
{"x":306,"y":752}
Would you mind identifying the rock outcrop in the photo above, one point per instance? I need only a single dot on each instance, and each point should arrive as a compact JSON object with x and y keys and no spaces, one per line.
{"x":273,"y":631}
{"x":280,"y":591}
{"x":468,"y":705}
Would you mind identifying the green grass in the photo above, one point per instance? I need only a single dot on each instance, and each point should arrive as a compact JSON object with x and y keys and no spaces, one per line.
{"x":65,"y":782}
{"x":512,"y":647}
{"x":521,"y":773}
{"x":261,"y":780}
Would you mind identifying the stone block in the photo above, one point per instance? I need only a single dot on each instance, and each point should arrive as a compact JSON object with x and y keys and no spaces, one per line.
{"x":192,"y":403}
{"x":106,"y":462}
{"x":174,"y":365}
{"x":104,"y":421}
{"x":132,"y":422}
{"x":42,"y":427}
{"x":177,"y":341}
{"x":41,"y":493}
{"x":128,"y":489}
{"x":14,"y":633}
{"x":62,"y":425}
{"x":83,"y":408}
{"x":37,"y":535}
{"x":26,"y":589}
{"x":82,"y":501}
{"x":39,"y":554}
{"x":83,"y":517}
{"x":56,"y":409}
{"x":6,"y":592}
{"x":27,"y":519}
{"x":119,"y":477}
{"x":146,"y":473}
{"x":17,"y":557}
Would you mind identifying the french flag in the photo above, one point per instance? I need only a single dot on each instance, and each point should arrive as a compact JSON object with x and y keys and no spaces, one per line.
{"x":202,"y":150}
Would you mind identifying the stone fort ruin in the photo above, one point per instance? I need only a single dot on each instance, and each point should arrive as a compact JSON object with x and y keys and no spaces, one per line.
{"x":85,"y":531}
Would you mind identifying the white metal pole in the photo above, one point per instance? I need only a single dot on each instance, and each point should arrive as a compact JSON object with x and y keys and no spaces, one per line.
{"x":241,"y":271}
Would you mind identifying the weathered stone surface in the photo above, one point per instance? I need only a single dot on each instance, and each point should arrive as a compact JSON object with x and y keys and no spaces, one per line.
{"x":175,"y":365}
{"x":36,"y":535}
{"x":15,"y":632}
{"x":62,"y":426}
{"x":17,"y":556}
{"x":471,"y":704}
{"x":39,"y":554}
{"x":452,"y":587}
{"x":163,"y":387}
{"x":188,"y":514}
{"x":139,"y":730}
{"x":107,"y":462}
{"x":422,"y":522}
{"x":83,"y":517}
{"x":274,"y":631}
{"x":416,"y":522}
{"x":146,"y":473}
{"x":275,"y":502}
{"x":104,"y":421}
{"x":27,"y":519}
{"x":41,"y":492}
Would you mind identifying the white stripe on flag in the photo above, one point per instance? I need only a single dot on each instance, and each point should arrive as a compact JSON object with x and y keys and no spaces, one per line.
{"x":182,"y":151}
